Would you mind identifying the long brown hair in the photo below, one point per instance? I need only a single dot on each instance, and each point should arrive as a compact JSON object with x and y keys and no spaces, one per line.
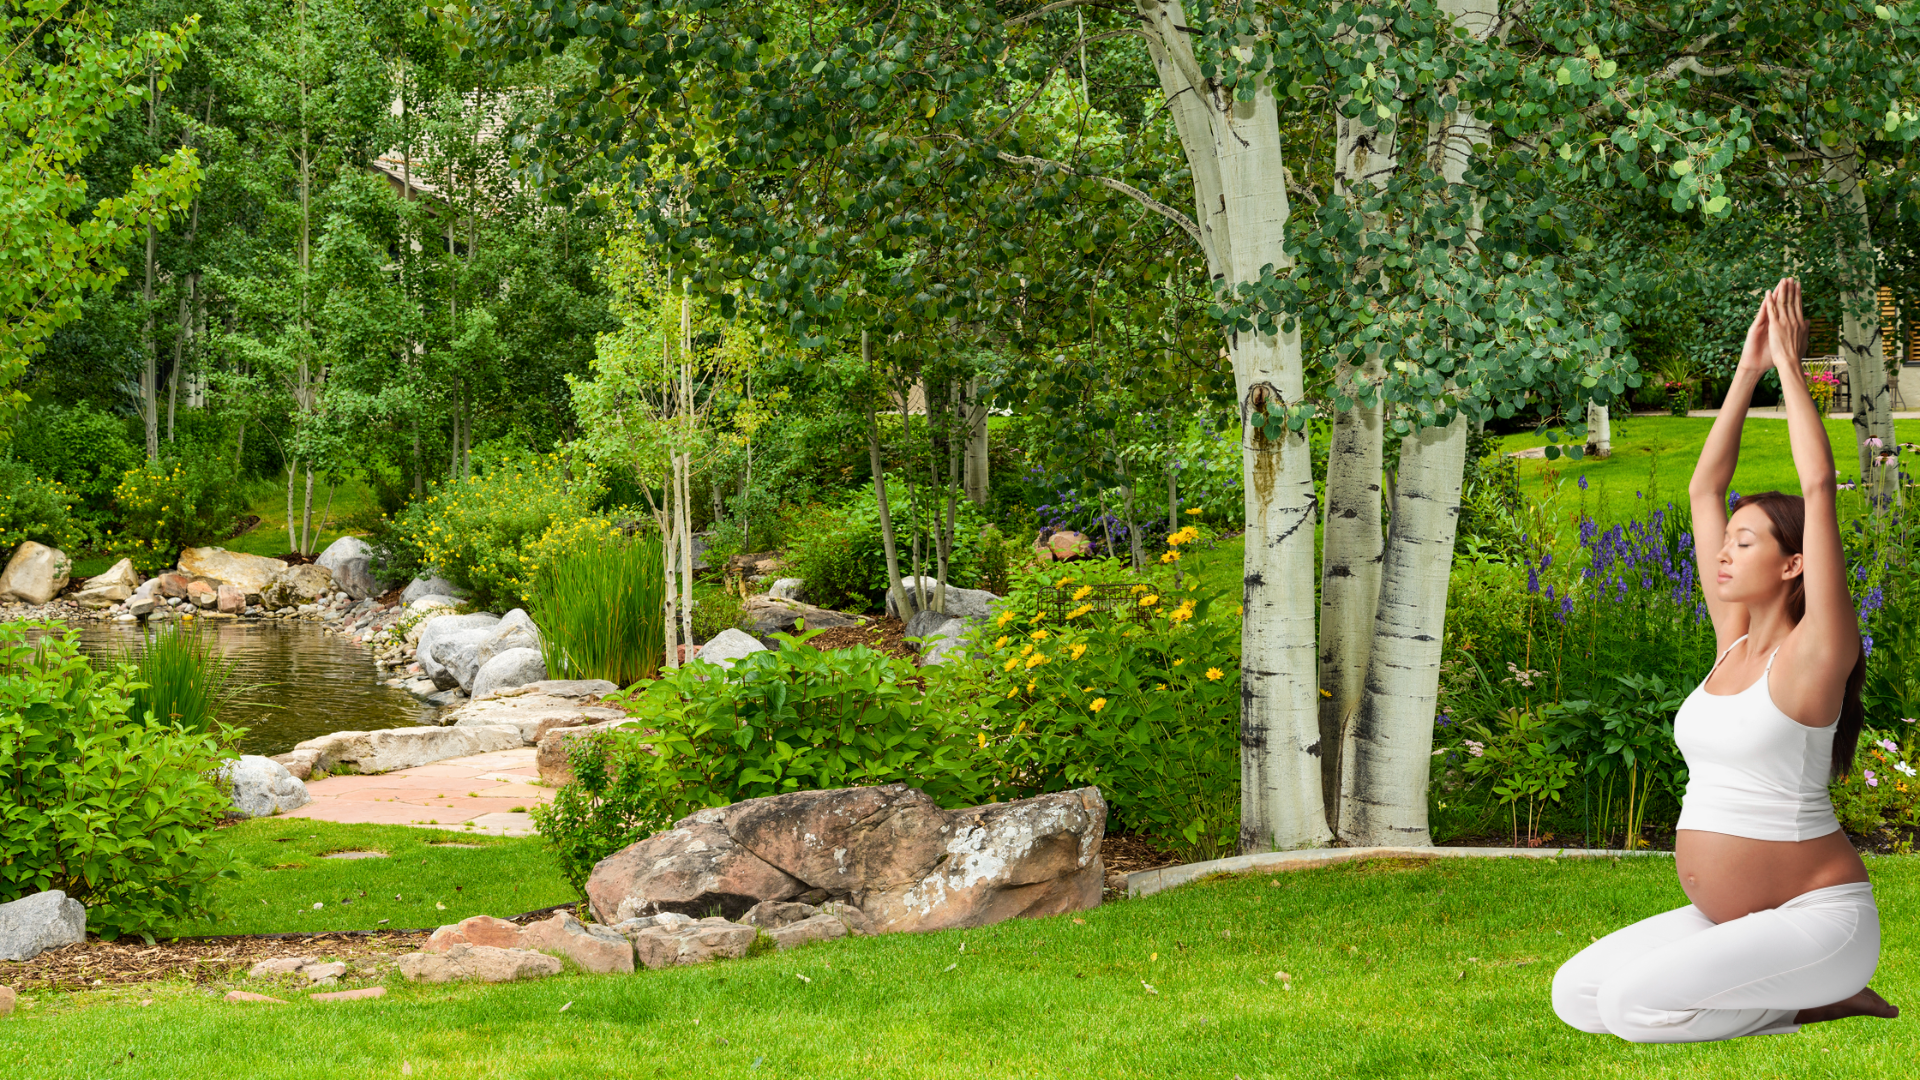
{"x":1788,"y":516}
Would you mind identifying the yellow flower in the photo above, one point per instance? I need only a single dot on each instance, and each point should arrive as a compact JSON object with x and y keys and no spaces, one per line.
{"x":1038,"y":635}
{"x":1149,"y":600}
{"x":1170,"y":557}
{"x":1013,"y":691}
{"x":1083,"y":592}
{"x":1098,"y":704}
{"x":1162,"y":686}
{"x":1036,"y":660}
{"x":1214,"y":674}
{"x":1180,"y":661}
{"x":1193,"y":510}
{"x":1005,"y":618}
{"x":1026,"y":650}
{"x":1031,"y":684}
{"x":1012,"y":662}
{"x":1326,"y":693}
{"x":1079,"y":611}
{"x":1138,"y":589}
{"x":1077,"y":650}
{"x":982,"y":736}
{"x":1002,"y":643}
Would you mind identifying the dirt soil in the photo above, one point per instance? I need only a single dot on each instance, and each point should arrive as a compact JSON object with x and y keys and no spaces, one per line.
{"x":1125,"y":855}
{"x":884,"y":635}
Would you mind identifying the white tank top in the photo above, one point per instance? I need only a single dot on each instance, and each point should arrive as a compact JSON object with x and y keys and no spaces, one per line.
{"x":1752,"y":770}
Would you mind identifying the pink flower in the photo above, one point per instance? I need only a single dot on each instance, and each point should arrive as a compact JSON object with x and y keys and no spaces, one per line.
{"x":1873,"y":442}
{"x":1475,"y":748}
{"x":1872,"y":780}
{"x":1888,"y":745}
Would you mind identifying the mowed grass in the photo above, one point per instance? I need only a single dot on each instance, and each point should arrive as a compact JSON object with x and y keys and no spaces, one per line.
{"x":1397,"y":970}
{"x":282,"y":872}
{"x":1659,"y":453}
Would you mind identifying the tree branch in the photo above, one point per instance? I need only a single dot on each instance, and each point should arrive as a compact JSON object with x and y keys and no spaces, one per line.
{"x":1041,"y":164}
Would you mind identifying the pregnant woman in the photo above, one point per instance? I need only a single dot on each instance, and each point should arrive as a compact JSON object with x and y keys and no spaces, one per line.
{"x":1782,"y":930}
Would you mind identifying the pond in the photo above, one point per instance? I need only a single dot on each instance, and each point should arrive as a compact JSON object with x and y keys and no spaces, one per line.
{"x":303,"y":682}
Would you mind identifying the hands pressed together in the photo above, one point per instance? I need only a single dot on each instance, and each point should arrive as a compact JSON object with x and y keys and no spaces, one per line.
{"x":1777,"y":339}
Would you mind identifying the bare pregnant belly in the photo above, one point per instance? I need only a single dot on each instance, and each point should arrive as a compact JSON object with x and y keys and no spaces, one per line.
{"x":1727,"y":877}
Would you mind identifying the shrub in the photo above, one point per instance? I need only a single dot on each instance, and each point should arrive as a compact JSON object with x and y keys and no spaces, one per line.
{"x":599,"y":608}
{"x":111,"y":808}
{"x":789,"y":719}
{"x":84,"y":448}
{"x":163,"y":507}
{"x":1880,"y":791}
{"x":838,"y":551}
{"x":33,"y":509}
{"x":481,"y":532}
{"x":1142,"y":700}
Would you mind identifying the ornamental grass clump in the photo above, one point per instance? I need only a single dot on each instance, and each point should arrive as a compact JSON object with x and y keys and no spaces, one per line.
{"x":484,"y":532}
{"x":180,"y":678}
{"x":599,"y":609}
{"x":97,"y":800}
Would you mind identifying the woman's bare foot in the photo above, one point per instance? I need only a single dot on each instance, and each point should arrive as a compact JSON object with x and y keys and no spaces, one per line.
{"x":1864,"y":1003}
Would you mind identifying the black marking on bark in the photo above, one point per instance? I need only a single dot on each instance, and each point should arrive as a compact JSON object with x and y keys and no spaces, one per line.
{"x":1339,"y":570}
{"x":1306,"y":515}
{"x":1314,"y":750}
{"x":1254,"y":580}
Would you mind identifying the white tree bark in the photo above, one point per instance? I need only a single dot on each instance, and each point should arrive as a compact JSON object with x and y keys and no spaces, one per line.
{"x":1860,"y":343}
{"x":1599,"y":431}
{"x":975,"y":409}
{"x":1385,"y":753}
{"x":1240,"y":200}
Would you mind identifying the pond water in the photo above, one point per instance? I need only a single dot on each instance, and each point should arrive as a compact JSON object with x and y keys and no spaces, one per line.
{"x":304,"y":682}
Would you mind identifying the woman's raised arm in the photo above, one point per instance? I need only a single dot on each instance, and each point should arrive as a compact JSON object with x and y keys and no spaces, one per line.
{"x":1707,"y":491}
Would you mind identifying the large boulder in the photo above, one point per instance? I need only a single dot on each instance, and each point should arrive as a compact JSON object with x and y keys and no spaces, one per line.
{"x":770,"y":616}
{"x":595,"y":948}
{"x":479,"y":963}
{"x":296,"y":585}
{"x":442,"y":629}
{"x":33,"y":924}
{"x":108,"y":589}
{"x":671,"y":945}
{"x":788,"y":588}
{"x":511,"y":669}
{"x":35,"y":574}
{"x":889,"y":853}
{"x":553,"y":748}
{"x":263,"y":786}
{"x":970,"y":604}
{"x":431,"y":585}
{"x":250,"y":573}
{"x":938,"y":637}
{"x":730,"y":646}
{"x":400,"y":748}
{"x":349,"y":559}
{"x":465,"y":654}
{"x":230,"y":599}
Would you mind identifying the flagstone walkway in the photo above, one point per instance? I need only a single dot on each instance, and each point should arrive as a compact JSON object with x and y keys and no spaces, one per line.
{"x":484,"y":794}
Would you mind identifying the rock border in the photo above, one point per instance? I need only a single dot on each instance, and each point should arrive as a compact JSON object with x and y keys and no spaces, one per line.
{"x":1148,"y":882}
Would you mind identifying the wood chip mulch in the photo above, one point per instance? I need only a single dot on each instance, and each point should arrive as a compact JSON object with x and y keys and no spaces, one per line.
{"x":883,"y":635}
{"x":131,"y":960}
{"x":1125,"y":855}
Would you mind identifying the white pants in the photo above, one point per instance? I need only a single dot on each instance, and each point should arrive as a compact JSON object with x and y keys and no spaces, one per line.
{"x":1680,"y":977}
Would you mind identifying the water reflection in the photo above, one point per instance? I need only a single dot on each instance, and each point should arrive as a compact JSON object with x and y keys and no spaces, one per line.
{"x":311,"y":682}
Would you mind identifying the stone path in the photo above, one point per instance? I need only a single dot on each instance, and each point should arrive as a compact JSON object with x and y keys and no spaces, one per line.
{"x":485,"y":794}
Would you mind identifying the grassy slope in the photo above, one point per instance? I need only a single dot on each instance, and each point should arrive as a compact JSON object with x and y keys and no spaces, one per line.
{"x":282,"y":875}
{"x":268,"y":501}
{"x":1441,"y":970}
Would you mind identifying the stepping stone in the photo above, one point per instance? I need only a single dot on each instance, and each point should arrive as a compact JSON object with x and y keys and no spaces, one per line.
{"x":351,"y":995}
{"x":356,"y":855}
{"x":242,"y":995}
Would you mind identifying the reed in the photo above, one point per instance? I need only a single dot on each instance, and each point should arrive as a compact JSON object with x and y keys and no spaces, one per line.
{"x":599,"y":610}
{"x":182,"y":679}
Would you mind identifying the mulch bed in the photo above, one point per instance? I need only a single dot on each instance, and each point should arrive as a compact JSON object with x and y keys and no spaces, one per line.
{"x":131,"y":960}
{"x":244,"y":525}
{"x":1125,"y":855}
{"x":883,"y":635}
{"x":295,"y":558}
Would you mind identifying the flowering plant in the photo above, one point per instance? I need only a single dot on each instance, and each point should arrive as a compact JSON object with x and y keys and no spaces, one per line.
{"x":1880,"y":792}
{"x":163,"y":507}
{"x":490,"y":532}
{"x":1822,"y":386}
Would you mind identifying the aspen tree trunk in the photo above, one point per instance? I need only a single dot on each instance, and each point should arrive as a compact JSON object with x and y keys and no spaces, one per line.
{"x":306,"y":515}
{"x":149,"y":374}
{"x":293,"y":538}
{"x":976,"y":422}
{"x":1860,"y":343}
{"x":887,"y":541}
{"x":1385,"y":753}
{"x":1599,"y":432}
{"x":685,"y":499}
{"x":1173,"y":513}
{"x":1133,"y":528}
{"x":1240,"y":200}
{"x":1351,"y":543}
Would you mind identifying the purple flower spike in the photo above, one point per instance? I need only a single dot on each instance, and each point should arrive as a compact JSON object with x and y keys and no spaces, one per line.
{"x":1583,"y":481}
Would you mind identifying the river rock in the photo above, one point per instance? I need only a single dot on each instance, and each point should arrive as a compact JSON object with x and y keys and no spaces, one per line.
{"x":204,"y":595}
{"x":431,"y":585}
{"x":403,"y":748}
{"x":770,"y":616}
{"x":1063,"y":546}
{"x":141,"y":605}
{"x":971,"y":604}
{"x":730,"y":646}
{"x":433,"y":602}
{"x":297,"y":585}
{"x":349,"y":559}
{"x":33,"y":924}
{"x":788,"y":588}
{"x":230,"y":599}
{"x":482,"y":963}
{"x":444,"y":628}
{"x":35,"y":574}
{"x":510,"y":669}
{"x":105,"y":590}
{"x":7,"y":998}
{"x":889,"y":852}
{"x":250,"y":573}
{"x":263,"y":787}
{"x":464,"y":656}
{"x":695,"y":943}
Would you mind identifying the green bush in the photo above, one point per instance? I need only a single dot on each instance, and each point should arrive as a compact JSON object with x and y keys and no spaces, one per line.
{"x":1881,"y":790}
{"x":33,"y":509}
{"x":485,"y":533}
{"x":112,"y":808}
{"x":163,"y":507}
{"x":599,"y":608}
{"x":839,"y":552}
{"x":790,"y":719}
{"x":86,"y":449}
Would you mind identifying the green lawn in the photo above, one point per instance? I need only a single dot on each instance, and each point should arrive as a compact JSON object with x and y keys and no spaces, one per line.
{"x":1659,"y":452}
{"x":282,"y":873}
{"x":268,"y":500}
{"x":1398,"y":970}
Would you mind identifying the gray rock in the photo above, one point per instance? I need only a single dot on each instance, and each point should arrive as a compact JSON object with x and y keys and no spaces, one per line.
{"x":774,"y":914}
{"x":707,"y":939}
{"x":297,"y":586}
{"x":788,"y":588}
{"x":943,"y":647}
{"x":509,"y":670}
{"x":464,"y":656}
{"x":120,"y":573}
{"x":35,"y":574}
{"x":443,"y":628}
{"x":962,"y":603}
{"x":729,"y":646}
{"x":770,"y":616}
{"x":572,"y":689}
{"x":431,"y":585}
{"x":926,"y":624}
{"x":403,"y":748}
{"x":263,"y":786}
{"x":348,"y":559}
{"x":140,"y":605}
{"x":446,"y":699}
{"x":33,"y":924}
{"x":434,"y":602}
{"x":422,"y":688}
